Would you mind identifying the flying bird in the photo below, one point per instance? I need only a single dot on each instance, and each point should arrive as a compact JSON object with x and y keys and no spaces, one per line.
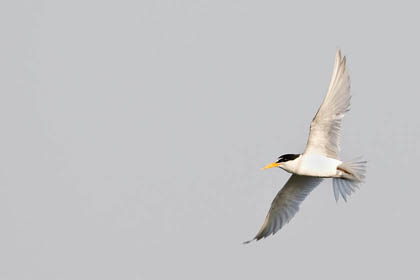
{"x":320,"y":158}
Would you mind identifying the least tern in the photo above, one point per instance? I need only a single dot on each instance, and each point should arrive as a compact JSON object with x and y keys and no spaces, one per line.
{"x":320,"y":158}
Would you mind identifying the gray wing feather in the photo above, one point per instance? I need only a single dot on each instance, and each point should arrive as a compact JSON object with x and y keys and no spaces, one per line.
{"x":324,"y":135}
{"x":286,"y":204}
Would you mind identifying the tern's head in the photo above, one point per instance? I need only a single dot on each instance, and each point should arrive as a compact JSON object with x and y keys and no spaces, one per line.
{"x":282,"y":161}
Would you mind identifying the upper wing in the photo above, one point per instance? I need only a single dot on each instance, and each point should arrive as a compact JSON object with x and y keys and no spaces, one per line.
{"x":286,"y":204}
{"x":324,"y":135}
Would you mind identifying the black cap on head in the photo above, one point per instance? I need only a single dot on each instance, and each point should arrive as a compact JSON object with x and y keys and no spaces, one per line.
{"x":287,"y":157}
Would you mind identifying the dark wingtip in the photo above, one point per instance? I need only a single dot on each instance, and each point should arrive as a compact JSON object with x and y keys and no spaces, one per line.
{"x":247,"y":242}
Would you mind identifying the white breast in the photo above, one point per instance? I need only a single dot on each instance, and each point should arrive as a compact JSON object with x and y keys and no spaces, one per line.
{"x":313,"y":165}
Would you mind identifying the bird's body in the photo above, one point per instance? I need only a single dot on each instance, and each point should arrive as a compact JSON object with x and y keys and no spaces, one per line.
{"x":320,"y":158}
{"x":313,"y":165}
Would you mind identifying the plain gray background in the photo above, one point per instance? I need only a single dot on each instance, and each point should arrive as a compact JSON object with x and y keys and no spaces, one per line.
{"x":132,"y":133}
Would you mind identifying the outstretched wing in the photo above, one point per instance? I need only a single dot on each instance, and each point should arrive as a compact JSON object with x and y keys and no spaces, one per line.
{"x":324,"y":135}
{"x":286,"y":204}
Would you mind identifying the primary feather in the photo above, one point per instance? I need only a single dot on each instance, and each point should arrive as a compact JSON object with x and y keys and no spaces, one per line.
{"x":286,"y":204}
{"x":324,"y":135}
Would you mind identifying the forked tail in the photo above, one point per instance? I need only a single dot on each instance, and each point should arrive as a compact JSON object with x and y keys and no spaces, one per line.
{"x":353,"y":173}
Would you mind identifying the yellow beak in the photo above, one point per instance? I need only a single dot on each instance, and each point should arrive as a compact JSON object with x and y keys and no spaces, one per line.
{"x":271,"y":165}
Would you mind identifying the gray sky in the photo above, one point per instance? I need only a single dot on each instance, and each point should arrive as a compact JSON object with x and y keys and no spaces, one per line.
{"x":132,"y":133}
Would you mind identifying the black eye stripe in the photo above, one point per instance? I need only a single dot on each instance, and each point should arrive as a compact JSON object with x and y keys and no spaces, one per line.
{"x":287,"y":157}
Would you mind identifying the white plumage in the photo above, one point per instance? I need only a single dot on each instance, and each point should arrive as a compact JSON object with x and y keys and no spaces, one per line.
{"x":324,"y":135}
{"x":320,"y":158}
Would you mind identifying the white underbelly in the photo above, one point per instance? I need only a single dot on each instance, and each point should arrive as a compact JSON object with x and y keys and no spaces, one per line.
{"x":317,"y":166}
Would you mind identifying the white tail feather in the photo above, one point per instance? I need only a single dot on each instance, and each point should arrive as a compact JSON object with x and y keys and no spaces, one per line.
{"x":354,"y":173}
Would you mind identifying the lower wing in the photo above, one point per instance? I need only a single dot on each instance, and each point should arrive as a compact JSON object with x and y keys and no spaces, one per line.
{"x":286,"y":204}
